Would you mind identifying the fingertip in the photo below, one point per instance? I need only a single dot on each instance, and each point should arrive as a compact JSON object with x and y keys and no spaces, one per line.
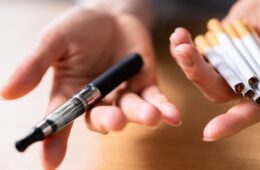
{"x":104,"y":119}
{"x":215,"y":130}
{"x":149,"y":115}
{"x":171,"y":114}
{"x":25,"y":78}
{"x":8,"y":94}
{"x":114,"y":120}
{"x":209,"y":139}
{"x":180,"y":36}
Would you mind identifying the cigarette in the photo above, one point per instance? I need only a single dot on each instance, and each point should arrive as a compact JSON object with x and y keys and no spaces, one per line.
{"x":257,"y":96}
{"x":233,"y":53}
{"x":217,"y":61}
{"x":247,"y":56}
{"x":213,"y":41}
{"x":249,"y":38}
{"x":248,"y":92}
{"x":252,"y":31}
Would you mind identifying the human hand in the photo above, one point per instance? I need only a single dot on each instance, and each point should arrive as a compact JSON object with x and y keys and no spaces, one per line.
{"x":245,"y":9}
{"x":79,"y":46}
{"x":202,"y":74}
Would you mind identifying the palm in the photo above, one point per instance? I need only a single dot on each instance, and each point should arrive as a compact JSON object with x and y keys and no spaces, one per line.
{"x":86,"y":55}
{"x":79,"y":46}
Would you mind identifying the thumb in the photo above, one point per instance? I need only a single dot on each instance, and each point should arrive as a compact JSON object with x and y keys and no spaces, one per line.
{"x":30,"y":71}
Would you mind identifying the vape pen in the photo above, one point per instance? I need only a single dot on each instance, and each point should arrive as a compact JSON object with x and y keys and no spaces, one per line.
{"x":83,"y":100}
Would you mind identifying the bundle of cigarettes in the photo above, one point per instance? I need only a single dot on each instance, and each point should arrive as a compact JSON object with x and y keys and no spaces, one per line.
{"x":234,"y":50}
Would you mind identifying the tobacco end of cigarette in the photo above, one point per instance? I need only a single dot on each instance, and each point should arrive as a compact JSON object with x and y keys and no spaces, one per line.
{"x":239,"y":87}
{"x":257,"y":100}
{"x":215,"y":25}
{"x":211,"y":38}
{"x":249,"y":94}
{"x":201,"y":43}
{"x":253,"y":81}
{"x":240,"y":27}
{"x":230,"y":30}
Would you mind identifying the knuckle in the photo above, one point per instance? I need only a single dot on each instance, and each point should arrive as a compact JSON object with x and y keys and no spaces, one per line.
{"x":193,"y":76}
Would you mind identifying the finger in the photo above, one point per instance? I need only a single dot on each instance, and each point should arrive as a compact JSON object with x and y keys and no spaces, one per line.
{"x":232,"y":122}
{"x":139,"y":111}
{"x":29,"y":73}
{"x":104,"y":119}
{"x":180,"y":36}
{"x":212,"y":85}
{"x":55,"y":146}
{"x":170,"y":113}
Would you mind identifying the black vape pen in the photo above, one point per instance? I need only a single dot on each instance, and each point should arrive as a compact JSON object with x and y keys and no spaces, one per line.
{"x":83,"y":100}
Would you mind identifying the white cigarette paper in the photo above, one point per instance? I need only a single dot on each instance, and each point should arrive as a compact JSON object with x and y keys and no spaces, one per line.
{"x":219,"y":63}
{"x":247,"y":56}
{"x":234,"y":50}
{"x":210,"y":37}
{"x":249,"y":40}
{"x":233,"y":53}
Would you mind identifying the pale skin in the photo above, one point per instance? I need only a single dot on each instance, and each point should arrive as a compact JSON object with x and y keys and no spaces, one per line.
{"x":82,"y":43}
{"x":79,"y":46}
{"x":197,"y":70}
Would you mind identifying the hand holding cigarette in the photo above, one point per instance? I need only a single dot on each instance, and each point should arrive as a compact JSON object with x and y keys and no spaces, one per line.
{"x":214,"y":86}
{"x":233,"y":46}
{"x":230,"y":80}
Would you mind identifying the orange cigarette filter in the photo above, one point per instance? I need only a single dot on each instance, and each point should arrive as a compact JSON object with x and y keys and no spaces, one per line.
{"x":212,"y":39}
{"x":249,"y":26}
{"x":241,"y":28}
{"x":202,"y":44}
{"x":230,"y":31}
{"x":251,"y":29}
{"x":215,"y":25}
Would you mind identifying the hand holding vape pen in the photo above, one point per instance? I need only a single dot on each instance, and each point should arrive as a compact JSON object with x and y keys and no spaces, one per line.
{"x":83,"y":100}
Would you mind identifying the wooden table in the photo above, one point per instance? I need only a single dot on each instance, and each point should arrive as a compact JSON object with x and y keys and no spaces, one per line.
{"x":135,"y":148}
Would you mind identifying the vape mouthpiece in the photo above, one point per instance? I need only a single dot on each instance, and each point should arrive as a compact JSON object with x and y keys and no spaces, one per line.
{"x":34,"y":136}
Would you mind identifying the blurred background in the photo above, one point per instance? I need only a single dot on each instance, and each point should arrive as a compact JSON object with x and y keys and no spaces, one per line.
{"x":136,"y":147}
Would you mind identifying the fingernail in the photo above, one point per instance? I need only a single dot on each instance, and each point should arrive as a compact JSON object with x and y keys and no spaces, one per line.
{"x":154,"y":127}
{"x":209,"y":139}
{"x":174,"y":38}
{"x":103,"y":132}
{"x":177,"y":125}
{"x":184,"y":59}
